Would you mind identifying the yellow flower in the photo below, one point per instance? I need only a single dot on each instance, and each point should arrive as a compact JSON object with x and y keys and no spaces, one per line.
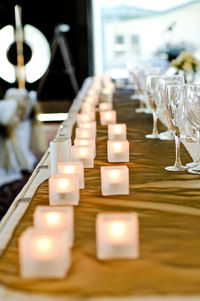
{"x":187,"y":66}
{"x":186,"y":61}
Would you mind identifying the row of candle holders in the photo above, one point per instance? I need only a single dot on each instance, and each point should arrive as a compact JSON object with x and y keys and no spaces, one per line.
{"x":45,"y":248}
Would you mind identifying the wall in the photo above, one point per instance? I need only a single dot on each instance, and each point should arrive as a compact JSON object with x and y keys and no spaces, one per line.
{"x":45,"y":16}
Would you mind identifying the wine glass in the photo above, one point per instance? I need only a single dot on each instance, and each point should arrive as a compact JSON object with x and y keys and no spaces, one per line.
{"x":154,"y":102}
{"x":140,"y":83}
{"x":149,"y":71}
{"x":168,"y":80}
{"x":192,"y":104}
{"x":176,"y":116}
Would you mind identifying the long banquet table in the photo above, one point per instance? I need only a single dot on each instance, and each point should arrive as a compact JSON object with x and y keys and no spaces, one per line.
{"x":168,"y":205}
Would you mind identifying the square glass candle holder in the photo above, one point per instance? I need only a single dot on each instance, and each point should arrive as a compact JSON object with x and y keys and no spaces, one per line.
{"x":91,"y":113}
{"x":93,"y":100}
{"x":44,"y":254}
{"x":85,"y":154}
{"x":56,"y":218}
{"x":85,"y":117}
{"x":114,"y":180}
{"x":117,"y":236}
{"x":88,"y":142}
{"x":87,"y":107}
{"x":108,"y":117}
{"x":90,"y":125}
{"x":118,"y":151}
{"x":84,"y":133}
{"x":117,"y":131}
{"x":105,"y":106}
{"x":64,"y":190}
{"x":106,"y":95}
{"x":73,"y":168}
{"x":91,"y":92}
{"x":60,"y":151}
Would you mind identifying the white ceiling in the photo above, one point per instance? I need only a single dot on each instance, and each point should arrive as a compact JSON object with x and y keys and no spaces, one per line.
{"x":159,"y":5}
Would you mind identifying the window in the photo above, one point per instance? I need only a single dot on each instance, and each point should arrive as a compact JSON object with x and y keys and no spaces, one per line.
{"x":143,"y":30}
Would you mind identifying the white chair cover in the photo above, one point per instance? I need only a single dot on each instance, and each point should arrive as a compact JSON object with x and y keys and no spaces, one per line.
{"x":8,"y":107}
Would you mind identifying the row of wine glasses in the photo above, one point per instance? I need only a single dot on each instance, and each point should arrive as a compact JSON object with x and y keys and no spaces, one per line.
{"x":155,"y":88}
{"x":180,"y":102}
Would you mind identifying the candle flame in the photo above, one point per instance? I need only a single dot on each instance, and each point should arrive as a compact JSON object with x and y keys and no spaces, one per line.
{"x":52,"y":218}
{"x":117,"y":147}
{"x":108,"y":116}
{"x":117,"y":229}
{"x":85,"y":134}
{"x":85,"y":117}
{"x":69,"y":169}
{"x":117,"y":129}
{"x":83,"y":152}
{"x":114,"y":174}
{"x":43,"y":244}
{"x":63,"y":183}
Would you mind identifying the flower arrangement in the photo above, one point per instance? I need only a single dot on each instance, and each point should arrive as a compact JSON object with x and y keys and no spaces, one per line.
{"x":186,"y":61}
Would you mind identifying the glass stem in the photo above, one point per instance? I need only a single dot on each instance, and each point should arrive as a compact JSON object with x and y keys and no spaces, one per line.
{"x":198,"y":140}
{"x":178,"y":144}
{"x":155,"y":127}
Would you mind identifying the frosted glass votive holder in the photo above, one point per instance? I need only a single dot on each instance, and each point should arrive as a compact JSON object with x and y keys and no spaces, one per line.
{"x":106,"y":95}
{"x":85,"y":154}
{"x":56,"y":218}
{"x":63,"y":190}
{"x":90,"y":125}
{"x":84,"y":133}
{"x":73,"y":168}
{"x":118,"y":151}
{"x":108,"y":117}
{"x":87,"y":107}
{"x":83,"y":117}
{"x":105,"y":106}
{"x":60,"y":151}
{"x":117,"y":236}
{"x":87,"y":142}
{"x":44,"y":254}
{"x":117,"y":131}
{"x":114,"y":180}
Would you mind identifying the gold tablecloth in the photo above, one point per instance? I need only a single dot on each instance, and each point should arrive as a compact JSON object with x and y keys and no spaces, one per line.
{"x":168,"y":205}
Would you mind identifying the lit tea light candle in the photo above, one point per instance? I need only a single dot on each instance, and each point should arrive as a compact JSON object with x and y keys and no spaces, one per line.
{"x":106,"y":95}
{"x":91,"y":92}
{"x":108,"y":117}
{"x":84,"y":133}
{"x":91,"y":101}
{"x":72,"y":168}
{"x":55,"y":218}
{"x":60,"y":151}
{"x":118,"y":151}
{"x":88,"y":142}
{"x":114,"y":180}
{"x":117,"y":131}
{"x":91,"y":113}
{"x":87,"y":107}
{"x":89,"y":125}
{"x":64,"y":189}
{"x":96,"y":86}
{"x":104,"y":106}
{"x":85,"y":154}
{"x":44,"y":254}
{"x":117,"y":235}
{"x":85,"y":117}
